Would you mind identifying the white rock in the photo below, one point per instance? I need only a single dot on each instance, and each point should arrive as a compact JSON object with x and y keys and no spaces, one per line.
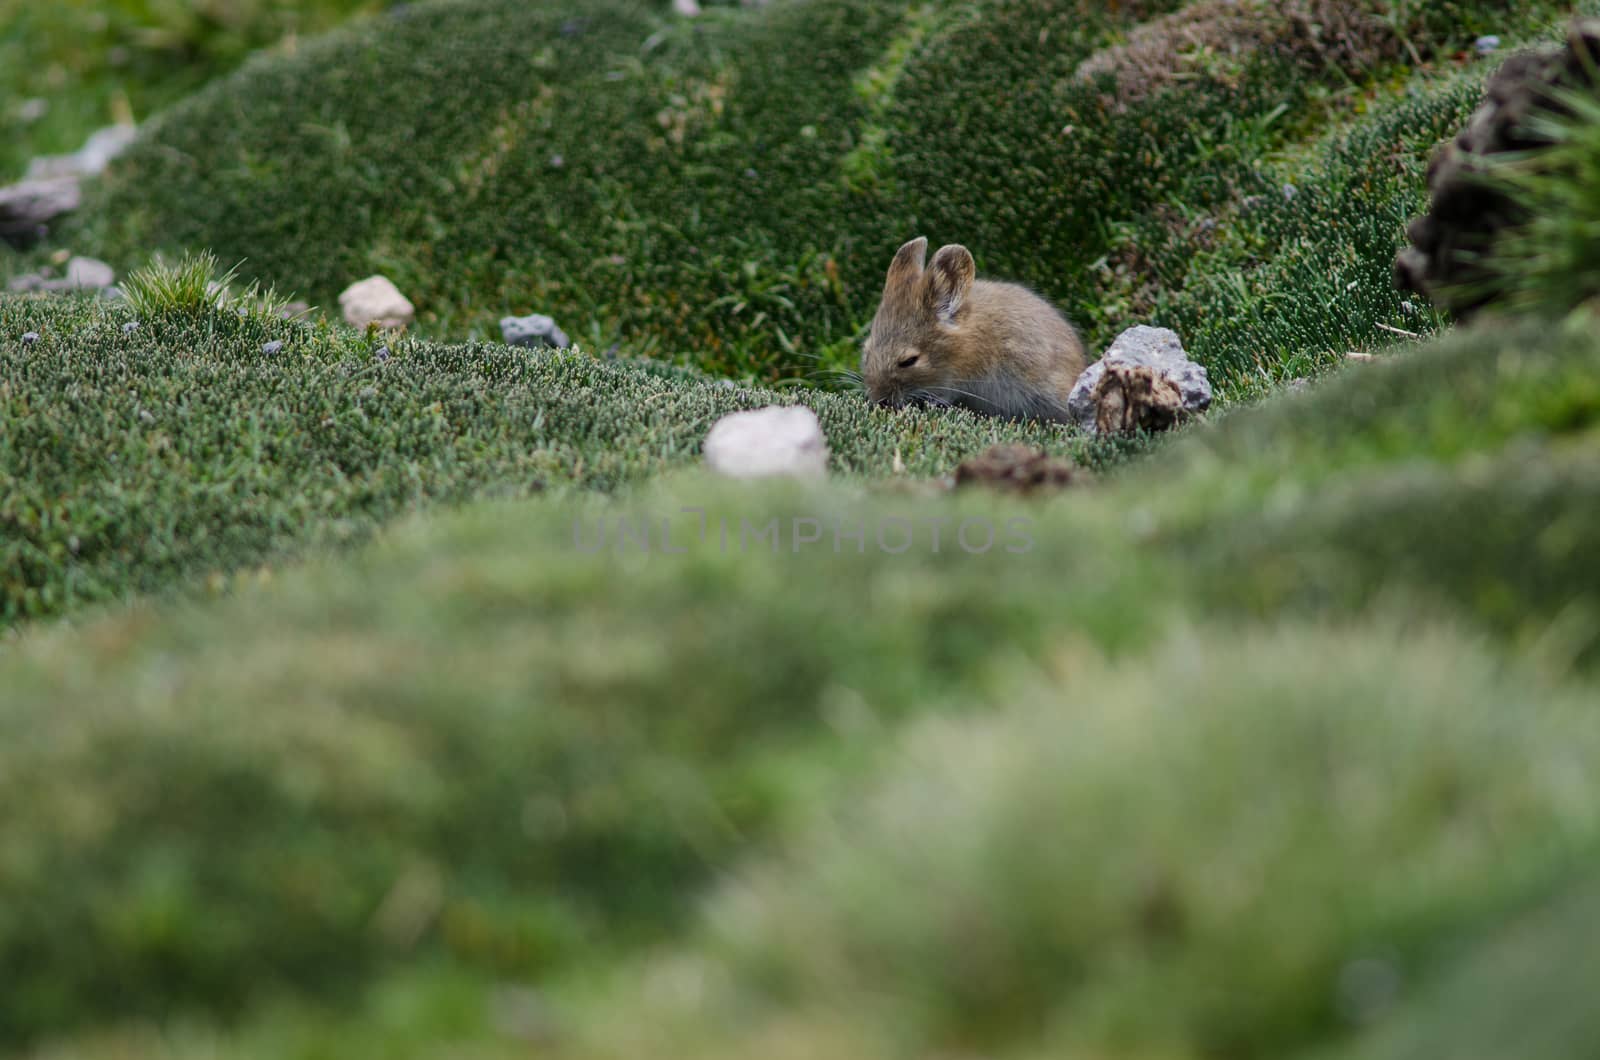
{"x":1158,"y":348}
{"x":776,"y":440}
{"x":375,"y":300}
{"x":89,"y":273}
{"x":686,"y":8}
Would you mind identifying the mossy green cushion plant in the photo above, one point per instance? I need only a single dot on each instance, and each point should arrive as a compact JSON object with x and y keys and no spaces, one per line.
{"x":726,"y":191}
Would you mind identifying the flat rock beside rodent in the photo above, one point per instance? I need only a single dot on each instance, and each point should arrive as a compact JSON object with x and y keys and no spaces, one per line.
{"x":1143,"y":381}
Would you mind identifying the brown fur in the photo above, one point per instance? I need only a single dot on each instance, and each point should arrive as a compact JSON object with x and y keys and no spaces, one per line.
{"x":944,"y":337}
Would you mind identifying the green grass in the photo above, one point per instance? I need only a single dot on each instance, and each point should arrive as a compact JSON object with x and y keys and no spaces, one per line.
{"x":475,"y":746}
{"x":183,"y":451}
{"x":334,"y":739}
{"x":1550,"y":263}
{"x":711,"y":193}
{"x":96,"y":63}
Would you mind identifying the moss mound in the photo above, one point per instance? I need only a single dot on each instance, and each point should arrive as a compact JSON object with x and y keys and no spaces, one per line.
{"x":714,"y":192}
{"x":489,"y":745}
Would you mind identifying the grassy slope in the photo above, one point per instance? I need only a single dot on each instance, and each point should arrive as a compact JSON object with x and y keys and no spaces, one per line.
{"x":97,"y":63}
{"x":352,"y":807}
{"x":533,"y":758}
{"x":182,"y":451}
{"x":713,"y":192}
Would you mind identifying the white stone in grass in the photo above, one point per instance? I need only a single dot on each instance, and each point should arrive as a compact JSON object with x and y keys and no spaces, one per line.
{"x":84,"y":274}
{"x":375,"y":300}
{"x":776,"y":440}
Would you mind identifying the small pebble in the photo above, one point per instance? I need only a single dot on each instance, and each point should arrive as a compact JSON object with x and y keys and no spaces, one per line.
{"x":145,"y":417}
{"x":1487,"y":44}
{"x":272,"y":347}
{"x":130,"y":327}
{"x":382,"y":353}
{"x":368,"y":393}
{"x":1290,"y":191}
{"x":30,"y":338}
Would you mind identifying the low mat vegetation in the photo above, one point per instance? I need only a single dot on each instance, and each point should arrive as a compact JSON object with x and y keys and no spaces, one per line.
{"x":479,"y":753}
{"x":710,"y":191}
{"x":1277,"y":739}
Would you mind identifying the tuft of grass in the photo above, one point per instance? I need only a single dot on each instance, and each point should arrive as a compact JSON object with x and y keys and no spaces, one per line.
{"x":1551,"y":263}
{"x":195,"y":287}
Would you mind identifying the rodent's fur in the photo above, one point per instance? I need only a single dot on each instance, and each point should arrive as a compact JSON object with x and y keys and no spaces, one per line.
{"x":942,"y":336}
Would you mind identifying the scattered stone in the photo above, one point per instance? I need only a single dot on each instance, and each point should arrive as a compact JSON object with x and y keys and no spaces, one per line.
{"x":82,"y":274}
{"x":32,"y":109}
{"x":86,"y":273}
{"x":98,"y":151}
{"x":130,"y":327}
{"x":26,"y":209}
{"x":270,"y":348}
{"x":1023,"y":469}
{"x":29,"y":338}
{"x":1452,"y":243}
{"x":686,"y":8}
{"x":1487,"y":44}
{"x":381,"y":353}
{"x":1168,"y":389}
{"x":776,"y":440}
{"x":294,"y":309}
{"x":376,"y":300}
{"x":534,"y":331}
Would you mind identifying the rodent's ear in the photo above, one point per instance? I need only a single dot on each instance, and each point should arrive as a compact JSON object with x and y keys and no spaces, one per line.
{"x":907,"y":263}
{"x":950,"y":278}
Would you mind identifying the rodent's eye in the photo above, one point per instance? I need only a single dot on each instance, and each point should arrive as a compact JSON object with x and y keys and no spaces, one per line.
{"x":910,"y":362}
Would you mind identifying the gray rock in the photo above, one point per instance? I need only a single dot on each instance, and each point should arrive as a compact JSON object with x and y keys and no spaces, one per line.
{"x":130,"y":327}
{"x":1487,"y":44}
{"x":533,"y":331}
{"x":776,"y":440}
{"x":26,"y":208}
{"x":30,"y":337}
{"x":269,"y":348}
{"x":90,"y":160}
{"x":83,"y":274}
{"x":1142,"y":346}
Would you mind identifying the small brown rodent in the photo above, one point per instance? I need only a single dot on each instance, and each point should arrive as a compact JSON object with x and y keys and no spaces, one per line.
{"x":942,"y":336}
